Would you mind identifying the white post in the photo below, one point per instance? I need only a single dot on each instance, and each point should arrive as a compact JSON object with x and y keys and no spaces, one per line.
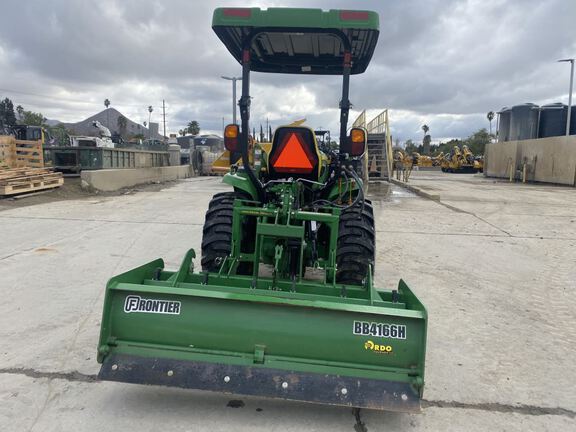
{"x":569,"y":93}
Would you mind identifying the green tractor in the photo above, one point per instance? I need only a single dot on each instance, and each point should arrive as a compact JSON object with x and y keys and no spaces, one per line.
{"x":284,"y":305}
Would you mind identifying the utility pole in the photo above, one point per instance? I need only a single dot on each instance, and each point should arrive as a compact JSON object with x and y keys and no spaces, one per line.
{"x":164,"y":116}
{"x":570,"y":93}
{"x":234,"y":102}
{"x":150,"y":109}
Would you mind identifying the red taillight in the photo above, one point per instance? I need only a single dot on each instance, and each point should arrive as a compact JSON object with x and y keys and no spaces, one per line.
{"x":293,"y":156}
{"x":238,"y":12}
{"x":231,"y":134}
{"x":354,"y":15}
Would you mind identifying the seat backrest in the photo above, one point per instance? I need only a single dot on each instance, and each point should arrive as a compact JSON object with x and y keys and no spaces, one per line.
{"x":294,"y":153}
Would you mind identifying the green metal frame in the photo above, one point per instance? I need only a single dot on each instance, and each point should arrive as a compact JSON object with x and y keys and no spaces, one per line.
{"x":274,"y":225}
{"x":227,"y":319}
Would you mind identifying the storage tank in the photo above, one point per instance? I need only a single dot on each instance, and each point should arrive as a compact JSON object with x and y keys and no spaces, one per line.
{"x":504,"y":124}
{"x":524,"y":122}
{"x":552,"y":120}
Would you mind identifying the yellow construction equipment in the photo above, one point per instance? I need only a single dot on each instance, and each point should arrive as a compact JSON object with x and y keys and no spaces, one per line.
{"x":421,"y":160}
{"x":461,"y":161}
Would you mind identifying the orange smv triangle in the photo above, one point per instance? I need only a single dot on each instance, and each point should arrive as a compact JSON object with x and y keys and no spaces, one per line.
{"x":293,"y":155}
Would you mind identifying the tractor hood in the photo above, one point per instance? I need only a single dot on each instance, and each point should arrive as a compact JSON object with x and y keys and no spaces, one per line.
{"x":299,"y":41}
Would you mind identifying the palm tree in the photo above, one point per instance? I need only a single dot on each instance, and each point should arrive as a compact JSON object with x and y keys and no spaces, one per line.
{"x":426,"y":140}
{"x":193,"y":127}
{"x":122,"y":122}
{"x":490,"y":117}
{"x":107,"y":104}
{"x":150,"y":109}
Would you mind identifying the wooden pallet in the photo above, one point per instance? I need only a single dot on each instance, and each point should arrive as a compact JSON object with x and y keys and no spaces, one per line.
{"x":20,"y":153}
{"x":22,"y":180}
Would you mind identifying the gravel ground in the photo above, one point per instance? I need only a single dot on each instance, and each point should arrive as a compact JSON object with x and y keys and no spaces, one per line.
{"x":493,"y":262}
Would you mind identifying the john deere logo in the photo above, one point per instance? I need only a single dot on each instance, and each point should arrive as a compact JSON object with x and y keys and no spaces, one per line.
{"x":382,"y":349}
{"x":135,"y":303}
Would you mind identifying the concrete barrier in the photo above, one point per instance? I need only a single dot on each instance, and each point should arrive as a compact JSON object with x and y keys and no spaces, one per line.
{"x":108,"y":180}
{"x":547,"y":160}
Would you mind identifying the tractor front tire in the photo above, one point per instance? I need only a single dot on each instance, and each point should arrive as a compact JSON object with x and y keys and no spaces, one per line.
{"x":356,"y":244}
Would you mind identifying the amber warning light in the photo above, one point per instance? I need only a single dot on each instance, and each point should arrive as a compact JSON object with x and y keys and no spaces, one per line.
{"x":231,"y":133}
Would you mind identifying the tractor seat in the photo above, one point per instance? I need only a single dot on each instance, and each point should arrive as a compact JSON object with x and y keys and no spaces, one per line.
{"x":294,"y":154}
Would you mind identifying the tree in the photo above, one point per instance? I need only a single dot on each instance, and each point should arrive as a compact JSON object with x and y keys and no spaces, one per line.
{"x":426,"y":144}
{"x":60,"y":134}
{"x":409,"y":146}
{"x":477,"y":141}
{"x":182,"y":132}
{"x":425,"y":149}
{"x":7,"y":115}
{"x":490,"y":117}
{"x":20,"y":112}
{"x":448,"y":146}
{"x":122,"y":122}
{"x":193,"y":128}
{"x":107,"y":104}
{"x":30,"y":118}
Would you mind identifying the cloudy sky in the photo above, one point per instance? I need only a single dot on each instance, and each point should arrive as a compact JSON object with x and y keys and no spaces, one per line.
{"x":440,"y":62}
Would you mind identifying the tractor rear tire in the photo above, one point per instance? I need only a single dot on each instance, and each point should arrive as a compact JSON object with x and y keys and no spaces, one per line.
{"x":356,"y":244}
{"x":217,"y":234}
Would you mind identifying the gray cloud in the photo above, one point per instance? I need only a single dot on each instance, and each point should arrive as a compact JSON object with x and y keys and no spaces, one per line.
{"x":442,"y":62}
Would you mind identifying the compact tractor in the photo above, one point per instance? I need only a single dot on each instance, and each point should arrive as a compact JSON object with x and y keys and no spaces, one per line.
{"x":284,"y":305}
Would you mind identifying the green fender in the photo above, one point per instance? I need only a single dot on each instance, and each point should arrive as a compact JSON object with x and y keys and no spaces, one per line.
{"x":241,"y":182}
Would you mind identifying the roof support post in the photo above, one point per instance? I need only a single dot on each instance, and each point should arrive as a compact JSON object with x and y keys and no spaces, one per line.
{"x":345,"y":102}
{"x":244,"y":104}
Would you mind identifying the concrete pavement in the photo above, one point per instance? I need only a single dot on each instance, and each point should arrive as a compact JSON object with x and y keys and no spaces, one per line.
{"x":493,"y":262}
